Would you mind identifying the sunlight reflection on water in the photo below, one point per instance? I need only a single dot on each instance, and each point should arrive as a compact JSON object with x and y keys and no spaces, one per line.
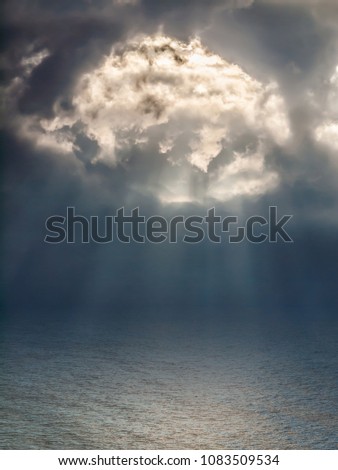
{"x":155,"y":390}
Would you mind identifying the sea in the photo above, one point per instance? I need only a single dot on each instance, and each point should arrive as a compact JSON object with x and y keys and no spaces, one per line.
{"x":168,"y":385}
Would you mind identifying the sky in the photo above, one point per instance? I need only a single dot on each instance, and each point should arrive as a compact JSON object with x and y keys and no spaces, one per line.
{"x":173,"y":107}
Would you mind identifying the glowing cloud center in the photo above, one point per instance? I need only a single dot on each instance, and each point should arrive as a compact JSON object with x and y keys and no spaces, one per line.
{"x":196,"y":109}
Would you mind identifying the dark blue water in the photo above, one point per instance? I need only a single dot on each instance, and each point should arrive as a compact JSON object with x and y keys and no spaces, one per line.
{"x":164,"y":387}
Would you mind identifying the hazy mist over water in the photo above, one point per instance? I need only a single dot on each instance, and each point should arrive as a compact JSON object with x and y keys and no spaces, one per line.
{"x":159,"y":386}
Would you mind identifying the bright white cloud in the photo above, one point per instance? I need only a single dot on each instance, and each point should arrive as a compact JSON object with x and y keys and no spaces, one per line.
{"x":190,"y":103}
{"x":245,"y":175}
{"x":326,"y":133}
{"x":30,"y":62}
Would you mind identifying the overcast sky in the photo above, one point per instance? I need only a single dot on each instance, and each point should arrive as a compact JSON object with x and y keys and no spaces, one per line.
{"x":175,"y":107}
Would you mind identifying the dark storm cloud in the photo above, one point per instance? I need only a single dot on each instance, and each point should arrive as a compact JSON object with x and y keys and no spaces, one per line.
{"x":289,"y":35}
{"x":73,"y":43}
{"x":187,"y":13}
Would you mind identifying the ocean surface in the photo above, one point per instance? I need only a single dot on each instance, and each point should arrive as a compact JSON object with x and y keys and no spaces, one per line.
{"x":158,"y":386}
